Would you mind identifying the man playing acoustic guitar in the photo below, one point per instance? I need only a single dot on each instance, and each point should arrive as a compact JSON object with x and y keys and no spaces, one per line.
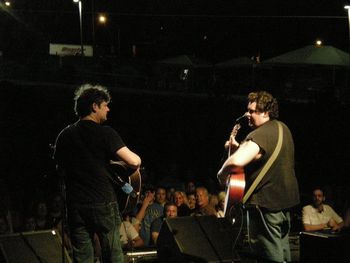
{"x":267,"y":156}
{"x":83,"y":152}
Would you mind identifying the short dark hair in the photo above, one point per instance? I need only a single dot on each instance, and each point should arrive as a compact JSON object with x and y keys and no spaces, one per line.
{"x":86,"y":95}
{"x":318,"y":188}
{"x":167,"y":205}
{"x":265,"y":102}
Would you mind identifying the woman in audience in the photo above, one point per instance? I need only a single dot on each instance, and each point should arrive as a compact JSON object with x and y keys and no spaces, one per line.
{"x":182,"y":204}
{"x":191,"y":197}
{"x":221,"y":205}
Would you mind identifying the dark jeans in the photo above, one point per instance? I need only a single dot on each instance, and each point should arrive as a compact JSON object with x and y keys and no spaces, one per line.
{"x":269,"y":235}
{"x":104,"y":220}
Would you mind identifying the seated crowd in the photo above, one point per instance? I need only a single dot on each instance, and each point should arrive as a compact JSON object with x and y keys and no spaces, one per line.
{"x":141,"y":226}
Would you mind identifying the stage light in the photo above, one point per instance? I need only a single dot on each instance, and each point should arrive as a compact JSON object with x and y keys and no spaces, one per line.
{"x":102,"y":19}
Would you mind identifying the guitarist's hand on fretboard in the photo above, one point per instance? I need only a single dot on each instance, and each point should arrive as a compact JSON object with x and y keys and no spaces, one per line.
{"x":231,"y":144}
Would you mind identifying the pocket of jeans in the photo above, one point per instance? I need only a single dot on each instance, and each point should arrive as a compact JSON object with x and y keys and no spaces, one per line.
{"x":106,"y":216}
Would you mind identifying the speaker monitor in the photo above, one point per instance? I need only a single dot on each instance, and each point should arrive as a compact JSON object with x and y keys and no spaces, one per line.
{"x":196,"y":239}
{"x":28,"y":247}
{"x":324,"y":246}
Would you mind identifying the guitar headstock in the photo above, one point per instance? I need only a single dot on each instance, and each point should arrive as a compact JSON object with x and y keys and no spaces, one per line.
{"x":235,"y":129}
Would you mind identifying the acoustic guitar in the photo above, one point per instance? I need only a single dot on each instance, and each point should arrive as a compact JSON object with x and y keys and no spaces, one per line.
{"x":235,"y":181}
{"x":127,"y":185}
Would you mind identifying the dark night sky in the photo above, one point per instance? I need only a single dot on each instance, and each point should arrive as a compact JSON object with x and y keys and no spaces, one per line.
{"x":168,"y":28}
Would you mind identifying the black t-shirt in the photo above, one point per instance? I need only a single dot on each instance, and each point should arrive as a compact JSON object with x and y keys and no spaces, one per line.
{"x":278,"y":189}
{"x":83,"y":151}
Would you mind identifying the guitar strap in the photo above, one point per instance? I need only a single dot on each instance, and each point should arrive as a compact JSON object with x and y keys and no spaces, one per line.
{"x":267,"y":165}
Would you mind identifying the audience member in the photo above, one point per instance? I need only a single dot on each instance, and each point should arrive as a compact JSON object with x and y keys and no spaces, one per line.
{"x":220,"y":208}
{"x":191,"y":197}
{"x":170,"y":191}
{"x":133,"y":220}
{"x":129,"y":236}
{"x":136,"y":224}
{"x":149,"y":211}
{"x":213,"y":200}
{"x":182,"y":204}
{"x":41,"y":216}
{"x":170,"y":210}
{"x":203,"y":205}
{"x":147,"y":200}
{"x":319,"y":216}
{"x":190,"y":186}
{"x":161,"y":196}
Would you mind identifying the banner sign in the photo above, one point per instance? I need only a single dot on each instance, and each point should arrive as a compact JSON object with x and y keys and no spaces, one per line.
{"x":70,"y":50}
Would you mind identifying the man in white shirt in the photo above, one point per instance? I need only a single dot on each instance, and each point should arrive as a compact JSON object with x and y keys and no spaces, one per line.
{"x":319,"y":216}
{"x":129,"y":236}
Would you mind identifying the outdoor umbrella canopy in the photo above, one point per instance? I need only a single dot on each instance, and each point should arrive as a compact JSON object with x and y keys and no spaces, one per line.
{"x":235,"y":62}
{"x":184,"y":61}
{"x":313,"y":55}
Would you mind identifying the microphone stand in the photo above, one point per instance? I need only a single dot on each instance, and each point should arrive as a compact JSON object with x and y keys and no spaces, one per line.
{"x":62,"y":190}
{"x":64,"y":213}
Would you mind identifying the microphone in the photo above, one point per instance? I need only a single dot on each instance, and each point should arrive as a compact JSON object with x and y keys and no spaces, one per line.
{"x":241,"y":117}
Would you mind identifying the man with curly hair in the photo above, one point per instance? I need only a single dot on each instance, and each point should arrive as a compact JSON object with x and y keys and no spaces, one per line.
{"x":83,"y":152}
{"x":270,"y":203}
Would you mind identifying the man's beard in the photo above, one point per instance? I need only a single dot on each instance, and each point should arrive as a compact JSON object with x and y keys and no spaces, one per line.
{"x":318,"y":206}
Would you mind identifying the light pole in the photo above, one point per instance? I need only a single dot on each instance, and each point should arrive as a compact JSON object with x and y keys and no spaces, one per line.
{"x":347,"y":7}
{"x":93,"y":25}
{"x":81,"y":25}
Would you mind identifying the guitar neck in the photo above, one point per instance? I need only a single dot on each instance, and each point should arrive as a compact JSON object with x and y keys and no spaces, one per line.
{"x":233,"y":138}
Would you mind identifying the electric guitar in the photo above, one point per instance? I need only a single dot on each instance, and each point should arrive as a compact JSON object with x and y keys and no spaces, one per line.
{"x":235,"y":180}
{"x":127,"y":185}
